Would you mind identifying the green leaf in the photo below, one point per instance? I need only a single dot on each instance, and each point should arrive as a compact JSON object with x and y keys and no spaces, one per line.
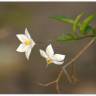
{"x":86,"y":23}
{"x":67,"y":37}
{"x":77,"y":22}
{"x":88,"y":29}
{"x":63,"y":19}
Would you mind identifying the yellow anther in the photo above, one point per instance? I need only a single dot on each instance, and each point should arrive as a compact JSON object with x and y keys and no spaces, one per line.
{"x":27,"y":42}
{"x":49,"y":61}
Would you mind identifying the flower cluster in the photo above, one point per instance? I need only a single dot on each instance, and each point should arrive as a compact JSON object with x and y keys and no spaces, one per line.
{"x":27,"y":43}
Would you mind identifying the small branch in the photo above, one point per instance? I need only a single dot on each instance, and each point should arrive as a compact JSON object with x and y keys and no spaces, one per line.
{"x":57,"y":87}
{"x":59,"y":75}
{"x":47,"y":84}
{"x":67,"y":75}
{"x":80,"y":53}
{"x":87,"y":36}
{"x":79,"y":38}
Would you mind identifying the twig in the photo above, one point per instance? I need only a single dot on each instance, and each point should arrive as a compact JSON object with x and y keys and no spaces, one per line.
{"x":80,"y":53}
{"x":47,"y":84}
{"x":67,"y":75}
{"x":57,"y":87}
{"x":59,"y":75}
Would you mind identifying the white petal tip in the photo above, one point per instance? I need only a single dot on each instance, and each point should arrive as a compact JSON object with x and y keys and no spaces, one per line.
{"x":17,"y":35}
{"x":42,"y":53}
{"x":27,"y":58}
{"x":50,"y":45}
{"x":26,"y":30}
{"x":58,"y":63}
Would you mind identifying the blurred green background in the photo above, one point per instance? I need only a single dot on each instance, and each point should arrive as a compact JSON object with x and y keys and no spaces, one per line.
{"x":17,"y":75}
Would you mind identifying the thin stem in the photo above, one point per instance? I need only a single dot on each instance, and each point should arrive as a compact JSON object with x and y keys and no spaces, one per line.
{"x":80,"y":53}
{"x":67,"y":75}
{"x":81,"y":37}
{"x":59,"y":75}
{"x":57,"y":87}
{"x":47,"y":84}
{"x":87,"y":36}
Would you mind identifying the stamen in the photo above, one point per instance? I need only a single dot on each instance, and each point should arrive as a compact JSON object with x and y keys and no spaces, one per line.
{"x":27,"y":42}
{"x":49,"y":61}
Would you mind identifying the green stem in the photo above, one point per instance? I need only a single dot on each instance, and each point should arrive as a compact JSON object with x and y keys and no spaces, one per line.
{"x":83,"y":37}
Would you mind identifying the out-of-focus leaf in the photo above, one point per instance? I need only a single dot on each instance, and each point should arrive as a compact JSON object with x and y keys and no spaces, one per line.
{"x":86,"y":23}
{"x":67,"y":37}
{"x":63,"y":19}
{"x":77,"y":22}
{"x":73,"y":37}
{"x":88,"y":29}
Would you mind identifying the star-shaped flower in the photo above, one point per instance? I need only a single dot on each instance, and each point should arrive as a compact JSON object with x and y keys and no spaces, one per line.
{"x":27,"y":43}
{"x":51,"y":57}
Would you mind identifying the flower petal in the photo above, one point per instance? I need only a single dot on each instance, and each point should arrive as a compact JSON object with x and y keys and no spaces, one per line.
{"x":21,"y":48}
{"x":28,"y":52}
{"x":27,"y":33}
{"x":50,"y":51}
{"x":59,"y":57}
{"x":28,"y":36}
{"x":58,"y":63}
{"x":22,"y":37}
{"x":43,"y":54}
{"x":33,"y":43}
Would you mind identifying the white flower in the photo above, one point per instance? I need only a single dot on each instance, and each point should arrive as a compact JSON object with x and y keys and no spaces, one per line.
{"x":27,"y":43}
{"x":51,"y":57}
